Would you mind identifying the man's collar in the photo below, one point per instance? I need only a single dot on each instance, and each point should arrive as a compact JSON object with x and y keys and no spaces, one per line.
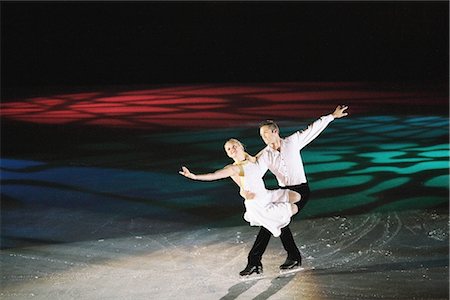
{"x":274,"y":150}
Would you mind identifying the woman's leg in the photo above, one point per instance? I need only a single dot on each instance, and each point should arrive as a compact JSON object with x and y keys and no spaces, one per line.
{"x":294,"y":197}
{"x":294,"y":209}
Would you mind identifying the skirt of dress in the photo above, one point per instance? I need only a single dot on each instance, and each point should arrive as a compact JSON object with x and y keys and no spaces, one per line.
{"x":272,"y":210}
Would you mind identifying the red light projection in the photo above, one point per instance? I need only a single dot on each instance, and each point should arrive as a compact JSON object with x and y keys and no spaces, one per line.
{"x":215,"y":105}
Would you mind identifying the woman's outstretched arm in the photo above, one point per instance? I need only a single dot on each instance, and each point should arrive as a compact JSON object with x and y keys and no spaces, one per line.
{"x":228,"y":171}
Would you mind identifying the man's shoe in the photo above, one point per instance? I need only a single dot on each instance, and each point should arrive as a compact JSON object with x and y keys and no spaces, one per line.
{"x":291,"y":264}
{"x":249,"y":270}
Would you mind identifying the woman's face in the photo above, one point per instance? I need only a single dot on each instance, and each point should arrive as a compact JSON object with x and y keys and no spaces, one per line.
{"x":233,"y":149}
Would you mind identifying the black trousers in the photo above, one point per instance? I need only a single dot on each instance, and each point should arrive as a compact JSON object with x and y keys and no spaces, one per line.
{"x":263,"y":237}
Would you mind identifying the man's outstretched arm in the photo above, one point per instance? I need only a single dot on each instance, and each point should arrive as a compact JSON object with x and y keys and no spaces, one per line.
{"x":314,"y":129}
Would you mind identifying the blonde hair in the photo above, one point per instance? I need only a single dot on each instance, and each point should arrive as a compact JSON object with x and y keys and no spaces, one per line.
{"x":247,"y":156}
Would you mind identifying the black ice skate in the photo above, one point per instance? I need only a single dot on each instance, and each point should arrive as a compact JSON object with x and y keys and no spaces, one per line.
{"x":291,"y":266}
{"x":251,"y":272}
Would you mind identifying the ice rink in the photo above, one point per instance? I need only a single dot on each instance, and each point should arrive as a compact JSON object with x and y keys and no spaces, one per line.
{"x":93,"y":207}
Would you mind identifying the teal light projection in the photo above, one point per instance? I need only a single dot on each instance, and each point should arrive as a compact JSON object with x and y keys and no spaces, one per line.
{"x":358,"y":165}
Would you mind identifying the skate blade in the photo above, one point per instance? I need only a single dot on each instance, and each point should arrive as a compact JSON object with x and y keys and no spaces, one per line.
{"x":252,"y":277}
{"x":291,"y":271}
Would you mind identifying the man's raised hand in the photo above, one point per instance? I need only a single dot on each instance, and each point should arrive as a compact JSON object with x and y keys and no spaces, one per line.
{"x":339,"y":112}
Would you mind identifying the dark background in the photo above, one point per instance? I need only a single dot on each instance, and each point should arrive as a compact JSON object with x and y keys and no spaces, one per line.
{"x":106,"y":43}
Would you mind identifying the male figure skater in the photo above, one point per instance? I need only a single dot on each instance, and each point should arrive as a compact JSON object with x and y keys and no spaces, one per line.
{"x":282,"y":156}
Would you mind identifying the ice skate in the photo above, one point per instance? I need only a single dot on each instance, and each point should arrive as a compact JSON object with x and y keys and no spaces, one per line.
{"x":291,"y":266}
{"x":251,"y":273}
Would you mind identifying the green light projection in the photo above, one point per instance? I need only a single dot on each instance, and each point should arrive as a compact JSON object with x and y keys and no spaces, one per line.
{"x":357,"y":164}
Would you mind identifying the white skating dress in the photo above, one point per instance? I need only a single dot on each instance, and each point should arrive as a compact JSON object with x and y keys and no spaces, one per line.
{"x":269,"y":208}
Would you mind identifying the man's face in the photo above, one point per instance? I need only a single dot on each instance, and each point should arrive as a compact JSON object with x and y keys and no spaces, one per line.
{"x":268,"y":135}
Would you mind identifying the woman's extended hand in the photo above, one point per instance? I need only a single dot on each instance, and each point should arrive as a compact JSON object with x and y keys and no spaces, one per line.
{"x":185,"y":172}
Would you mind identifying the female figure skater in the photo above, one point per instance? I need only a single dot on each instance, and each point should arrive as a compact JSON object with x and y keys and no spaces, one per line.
{"x":271,"y":209}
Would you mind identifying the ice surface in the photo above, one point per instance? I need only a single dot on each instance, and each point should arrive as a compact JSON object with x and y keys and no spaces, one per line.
{"x":374,"y":256}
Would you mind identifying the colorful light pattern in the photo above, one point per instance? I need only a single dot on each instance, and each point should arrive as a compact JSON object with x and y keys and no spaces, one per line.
{"x":369,"y":161}
{"x":216,"y":105}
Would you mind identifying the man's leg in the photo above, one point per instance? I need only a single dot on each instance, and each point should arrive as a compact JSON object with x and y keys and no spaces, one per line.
{"x":304,"y":192}
{"x":294,"y":257}
{"x":254,"y":264}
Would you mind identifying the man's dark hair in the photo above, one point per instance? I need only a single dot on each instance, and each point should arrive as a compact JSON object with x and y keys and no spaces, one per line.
{"x":271,"y":124}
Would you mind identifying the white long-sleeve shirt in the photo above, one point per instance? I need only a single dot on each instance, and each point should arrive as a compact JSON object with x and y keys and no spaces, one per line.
{"x":287,"y":164}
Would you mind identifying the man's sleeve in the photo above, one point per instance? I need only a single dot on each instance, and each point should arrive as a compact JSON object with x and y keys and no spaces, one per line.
{"x":313,"y":130}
